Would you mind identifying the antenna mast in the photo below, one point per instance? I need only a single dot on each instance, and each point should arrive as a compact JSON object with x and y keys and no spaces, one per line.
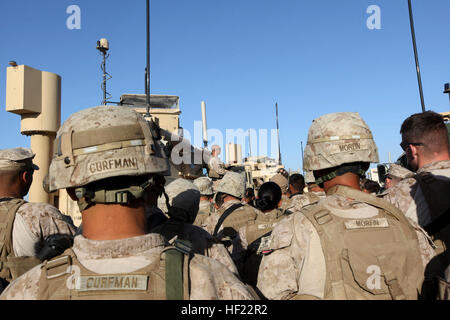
{"x":413,"y":35}
{"x":147,"y":69}
{"x":278,"y":134}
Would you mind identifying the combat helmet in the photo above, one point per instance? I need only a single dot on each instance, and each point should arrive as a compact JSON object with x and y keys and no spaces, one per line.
{"x":104,"y":142}
{"x":339,"y":138}
{"x":232,"y":183}
{"x":182,"y":201}
{"x":204,"y":185}
{"x":309,"y":177}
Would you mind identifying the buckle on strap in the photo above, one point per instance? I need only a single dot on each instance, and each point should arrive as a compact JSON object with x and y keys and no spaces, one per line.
{"x":53,"y":266}
{"x":322,"y":217}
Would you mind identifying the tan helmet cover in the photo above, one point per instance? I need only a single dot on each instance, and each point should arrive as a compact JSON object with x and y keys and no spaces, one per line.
{"x":232,"y":183}
{"x":204,"y":184}
{"x":184,"y":195}
{"x":338,"y":138}
{"x":399,"y":172}
{"x":281,"y":181}
{"x":103,"y":142}
{"x":309,"y":177}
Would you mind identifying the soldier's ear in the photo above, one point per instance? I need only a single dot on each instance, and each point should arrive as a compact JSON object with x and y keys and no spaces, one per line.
{"x":27,"y":177}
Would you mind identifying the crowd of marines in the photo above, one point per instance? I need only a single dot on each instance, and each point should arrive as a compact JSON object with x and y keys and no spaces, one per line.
{"x":330,"y":234}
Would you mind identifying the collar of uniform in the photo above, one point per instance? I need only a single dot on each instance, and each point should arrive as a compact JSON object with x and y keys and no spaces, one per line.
{"x":438,"y":165}
{"x":275,"y":213}
{"x":104,"y":249}
{"x":228,"y":204}
{"x":344,"y":207}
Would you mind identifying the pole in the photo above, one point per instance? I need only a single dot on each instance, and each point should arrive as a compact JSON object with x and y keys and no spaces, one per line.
{"x":301,"y":143}
{"x":411,"y":21}
{"x":104,"y":77}
{"x":204,"y":127}
{"x":249,"y":143}
{"x":147,"y":70}
{"x":278,"y":135}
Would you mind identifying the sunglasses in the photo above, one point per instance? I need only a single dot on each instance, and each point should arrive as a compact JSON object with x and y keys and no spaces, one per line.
{"x":405,"y":145}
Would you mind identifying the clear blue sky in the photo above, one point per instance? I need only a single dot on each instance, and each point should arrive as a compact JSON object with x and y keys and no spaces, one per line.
{"x":240,"y":56}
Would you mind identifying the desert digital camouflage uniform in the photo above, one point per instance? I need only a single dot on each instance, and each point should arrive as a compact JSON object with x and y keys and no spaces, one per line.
{"x":110,"y":259}
{"x":233,"y":184}
{"x":206,"y":208}
{"x":25,"y":223}
{"x":399,"y":172}
{"x":216,"y":170}
{"x":297,"y":265}
{"x":183,"y":205}
{"x":131,"y":268}
{"x":283,"y":183}
{"x":251,"y":236}
{"x":408,"y":196}
{"x":299,"y":201}
{"x":350,"y":245}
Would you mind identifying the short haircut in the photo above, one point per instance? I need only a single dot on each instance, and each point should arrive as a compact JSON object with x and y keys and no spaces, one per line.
{"x":219,"y":199}
{"x":269,"y":195}
{"x":297,"y":181}
{"x":371,"y":186}
{"x":249,"y":193}
{"x":427,"y":127}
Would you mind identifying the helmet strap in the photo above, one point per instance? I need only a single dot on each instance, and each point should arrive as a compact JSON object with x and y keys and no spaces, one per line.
{"x":353,"y":168}
{"x":91,"y":194}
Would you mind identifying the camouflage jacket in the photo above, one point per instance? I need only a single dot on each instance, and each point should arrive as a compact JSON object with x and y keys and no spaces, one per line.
{"x":209,"y":279}
{"x":296,"y":264}
{"x":408,"y":197}
{"x":202,"y":242}
{"x":298,"y":201}
{"x":35,"y":221}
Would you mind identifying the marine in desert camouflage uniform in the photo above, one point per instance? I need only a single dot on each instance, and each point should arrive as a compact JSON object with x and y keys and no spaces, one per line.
{"x":424,"y":197}
{"x":108,"y":161}
{"x":25,"y":224}
{"x":182,"y":207}
{"x":299,"y":199}
{"x":255,"y":233}
{"x":395,"y":174}
{"x":216,"y":168}
{"x":283,"y":183}
{"x":328,"y":250}
{"x":206,"y":207}
{"x":233,"y":214}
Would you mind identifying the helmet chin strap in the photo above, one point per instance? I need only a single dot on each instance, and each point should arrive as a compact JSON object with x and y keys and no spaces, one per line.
{"x":89,"y":195}
{"x":353,"y":168}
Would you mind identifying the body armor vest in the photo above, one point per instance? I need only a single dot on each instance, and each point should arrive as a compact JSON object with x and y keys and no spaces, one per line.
{"x":237,"y":219}
{"x":11,"y":267}
{"x":255,"y":231}
{"x":167,"y":278}
{"x":368,"y":258}
{"x":203,"y":214}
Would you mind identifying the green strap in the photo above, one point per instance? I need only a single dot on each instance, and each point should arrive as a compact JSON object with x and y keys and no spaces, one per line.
{"x":175,"y":257}
{"x":174,"y":275}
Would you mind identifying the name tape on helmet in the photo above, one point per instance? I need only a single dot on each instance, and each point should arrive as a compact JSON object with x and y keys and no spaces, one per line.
{"x":340,"y":138}
{"x":102,"y":166}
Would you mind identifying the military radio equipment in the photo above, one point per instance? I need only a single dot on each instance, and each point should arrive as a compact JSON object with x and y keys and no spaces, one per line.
{"x":103,"y":47}
{"x":413,"y":35}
